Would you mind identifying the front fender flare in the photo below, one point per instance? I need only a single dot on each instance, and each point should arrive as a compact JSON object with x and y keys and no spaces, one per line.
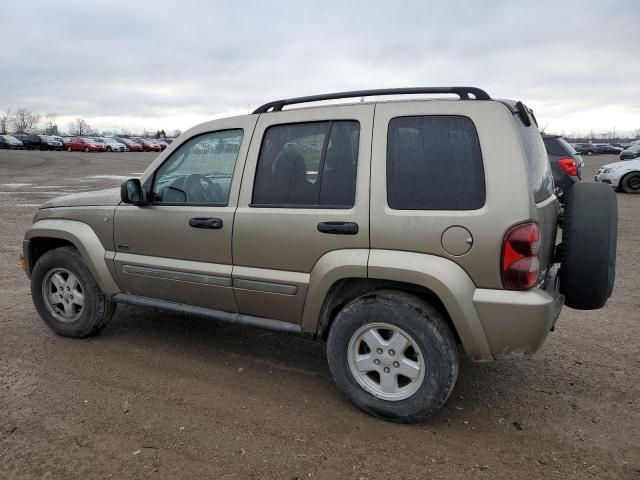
{"x":84,"y":239}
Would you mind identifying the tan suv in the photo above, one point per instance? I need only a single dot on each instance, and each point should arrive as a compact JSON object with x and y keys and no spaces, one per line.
{"x":402,"y":233}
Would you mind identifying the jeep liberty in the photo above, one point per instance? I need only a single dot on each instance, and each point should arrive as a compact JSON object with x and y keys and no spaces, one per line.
{"x":403,"y":233}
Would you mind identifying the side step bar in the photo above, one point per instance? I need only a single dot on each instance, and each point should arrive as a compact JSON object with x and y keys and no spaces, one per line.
{"x":210,"y":313}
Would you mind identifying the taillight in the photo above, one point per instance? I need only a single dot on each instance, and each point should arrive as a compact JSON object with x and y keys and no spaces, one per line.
{"x":569,"y":165}
{"x":520,"y":264}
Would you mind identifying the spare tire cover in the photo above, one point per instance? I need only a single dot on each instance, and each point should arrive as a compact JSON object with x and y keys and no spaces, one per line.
{"x":588,"y":252}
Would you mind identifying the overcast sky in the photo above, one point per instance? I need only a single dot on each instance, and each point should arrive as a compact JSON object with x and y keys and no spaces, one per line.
{"x":127,"y":64}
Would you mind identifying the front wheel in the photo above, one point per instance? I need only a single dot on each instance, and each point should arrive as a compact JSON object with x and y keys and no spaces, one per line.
{"x":109,"y":149}
{"x":66,"y":295}
{"x":393,"y":355}
{"x":631,"y":183}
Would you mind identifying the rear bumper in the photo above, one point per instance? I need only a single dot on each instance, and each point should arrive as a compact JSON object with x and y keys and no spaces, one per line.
{"x":517,"y":323}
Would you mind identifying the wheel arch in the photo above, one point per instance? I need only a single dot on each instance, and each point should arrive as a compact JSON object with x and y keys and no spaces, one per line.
{"x":342,"y":275}
{"x":45,"y":235}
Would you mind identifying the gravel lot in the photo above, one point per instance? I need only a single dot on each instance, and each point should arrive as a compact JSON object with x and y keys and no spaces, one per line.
{"x":163,"y":396}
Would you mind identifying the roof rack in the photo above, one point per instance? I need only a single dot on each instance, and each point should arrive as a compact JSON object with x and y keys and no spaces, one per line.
{"x":462,"y":92}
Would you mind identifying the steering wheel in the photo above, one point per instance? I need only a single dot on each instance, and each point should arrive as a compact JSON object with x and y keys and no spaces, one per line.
{"x":200,"y":189}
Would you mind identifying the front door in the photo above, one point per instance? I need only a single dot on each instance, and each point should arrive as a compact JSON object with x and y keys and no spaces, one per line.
{"x":305,"y":193}
{"x":178,"y":248}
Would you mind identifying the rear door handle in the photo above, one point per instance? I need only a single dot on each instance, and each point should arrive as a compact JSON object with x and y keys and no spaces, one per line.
{"x":199,"y":222}
{"x":338,"y":228}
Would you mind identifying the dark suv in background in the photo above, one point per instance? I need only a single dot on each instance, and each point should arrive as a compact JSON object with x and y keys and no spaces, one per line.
{"x":585,"y":148}
{"x":566,"y":163}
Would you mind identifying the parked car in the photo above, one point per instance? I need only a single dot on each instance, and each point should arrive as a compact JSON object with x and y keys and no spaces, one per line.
{"x":58,"y":138}
{"x":148,"y":145}
{"x":607,"y":148}
{"x":566,"y":164}
{"x":163,"y":144}
{"x":622,"y":146}
{"x":585,"y":148}
{"x":131,"y":145}
{"x":84,"y":144}
{"x":624,"y":176}
{"x":40,"y":142}
{"x":430,"y":229}
{"x":630,"y":153}
{"x":111,"y":144}
{"x":9,"y":141}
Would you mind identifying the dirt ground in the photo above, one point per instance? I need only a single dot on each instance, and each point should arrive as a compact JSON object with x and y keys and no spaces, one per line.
{"x":163,"y":396}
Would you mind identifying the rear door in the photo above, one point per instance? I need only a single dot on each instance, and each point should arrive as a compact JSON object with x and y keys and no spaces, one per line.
{"x":304,"y":193}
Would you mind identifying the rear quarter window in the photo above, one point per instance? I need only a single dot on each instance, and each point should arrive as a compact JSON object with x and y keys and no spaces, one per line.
{"x":434,"y":162}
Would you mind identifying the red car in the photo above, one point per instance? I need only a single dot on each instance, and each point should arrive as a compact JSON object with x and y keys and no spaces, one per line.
{"x":148,"y":145}
{"x":85,"y":144}
{"x":131,"y":145}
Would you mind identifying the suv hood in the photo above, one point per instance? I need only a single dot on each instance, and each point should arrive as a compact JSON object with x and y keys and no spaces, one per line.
{"x":107,"y":197}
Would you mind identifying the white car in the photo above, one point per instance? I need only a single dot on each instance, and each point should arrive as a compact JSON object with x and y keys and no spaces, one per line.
{"x":111,"y":144}
{"x":623,"y":176}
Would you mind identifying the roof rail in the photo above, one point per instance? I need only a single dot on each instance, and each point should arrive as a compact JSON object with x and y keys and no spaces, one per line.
{"x":462,"y":92}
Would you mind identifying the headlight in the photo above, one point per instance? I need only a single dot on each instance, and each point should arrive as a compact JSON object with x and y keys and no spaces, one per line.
{"x":609,"y":170}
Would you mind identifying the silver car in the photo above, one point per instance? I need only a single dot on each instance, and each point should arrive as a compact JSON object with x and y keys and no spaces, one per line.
{"x":623,"y":176}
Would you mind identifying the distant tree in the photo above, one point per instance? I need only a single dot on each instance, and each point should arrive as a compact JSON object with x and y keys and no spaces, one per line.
{"x":176,"y":133}
{"x":25,"y":120}
{"x":79,"y":127}
{"x":636,"y":133}
{"x":5,"y":121}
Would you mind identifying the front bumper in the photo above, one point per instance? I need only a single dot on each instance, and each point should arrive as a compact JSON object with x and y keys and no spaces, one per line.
{"x":612,"y":178}
{"x":517,"y":323}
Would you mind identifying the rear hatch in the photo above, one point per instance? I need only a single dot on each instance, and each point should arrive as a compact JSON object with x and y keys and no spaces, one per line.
{"x":547,"y":206}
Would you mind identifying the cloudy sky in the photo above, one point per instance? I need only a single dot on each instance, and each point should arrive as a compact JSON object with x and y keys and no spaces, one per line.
{"x":127,"y":64}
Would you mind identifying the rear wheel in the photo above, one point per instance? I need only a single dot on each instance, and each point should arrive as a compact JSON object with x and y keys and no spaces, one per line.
{"x":86,"y":149}
{"x":393,"y":355}
{"x":630,"y":183}
{"x":66,"y":295}
{"x":109,"y":149}
{"x":589,"y":240}
{"x":69,"y":149}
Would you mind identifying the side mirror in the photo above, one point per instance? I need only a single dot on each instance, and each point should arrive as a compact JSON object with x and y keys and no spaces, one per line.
{"x":131,"y":192}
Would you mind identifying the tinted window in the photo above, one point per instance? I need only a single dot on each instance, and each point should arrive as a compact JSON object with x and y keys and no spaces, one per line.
{"x":434,"y":163}
{"x":200,"y":170}
{"x":558,"y":146}
{"x":308,"y":164}
{"x":538,"y":168}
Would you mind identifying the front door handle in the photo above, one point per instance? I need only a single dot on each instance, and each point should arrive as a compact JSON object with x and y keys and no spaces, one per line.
{"x":338,"y":228}
{"x":199,"y":222}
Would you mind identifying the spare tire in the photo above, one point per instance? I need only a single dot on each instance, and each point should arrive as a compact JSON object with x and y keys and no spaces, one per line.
{"x":589,"y":238}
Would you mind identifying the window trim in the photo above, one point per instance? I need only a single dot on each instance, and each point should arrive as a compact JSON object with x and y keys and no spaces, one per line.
{"x":386,"y":166}
{"x":329,"y":129}
{"x":178,"y":204}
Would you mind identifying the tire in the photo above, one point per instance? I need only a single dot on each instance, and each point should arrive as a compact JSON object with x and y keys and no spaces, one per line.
{"x":589,"y":152}
{"x":86,"y":149}
{"x":432,"y":347}
{"x":109,"y":149}
{"x":589,"y":239}
{"x":630,"y":183}
{"x":96,"y":310}
{"x":69,"y":149}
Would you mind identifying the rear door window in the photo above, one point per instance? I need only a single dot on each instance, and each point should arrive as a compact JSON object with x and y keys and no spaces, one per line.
{"x":434,"y":162}
{"x":308,"y":164}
